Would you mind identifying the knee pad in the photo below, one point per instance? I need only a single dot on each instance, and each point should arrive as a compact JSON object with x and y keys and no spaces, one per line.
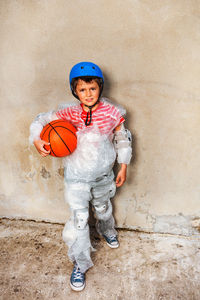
{"x":103,"y":211}
{"x":81,"y":218}
{"x":101,"y":208}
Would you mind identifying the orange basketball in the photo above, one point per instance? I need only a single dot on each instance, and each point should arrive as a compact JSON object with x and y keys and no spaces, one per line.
{"x":62,"y":138}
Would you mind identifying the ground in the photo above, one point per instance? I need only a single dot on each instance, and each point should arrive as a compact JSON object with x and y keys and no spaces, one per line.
{"x":34,"y":265}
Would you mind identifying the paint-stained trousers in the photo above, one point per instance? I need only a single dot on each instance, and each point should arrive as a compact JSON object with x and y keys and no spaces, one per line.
{"x":76,"y":231}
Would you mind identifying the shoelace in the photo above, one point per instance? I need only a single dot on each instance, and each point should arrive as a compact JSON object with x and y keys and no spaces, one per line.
{"x":78,"y":274}
{"x":112,"y":237}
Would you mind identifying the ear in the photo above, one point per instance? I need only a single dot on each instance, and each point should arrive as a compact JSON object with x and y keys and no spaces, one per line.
{"x":74,"y":94}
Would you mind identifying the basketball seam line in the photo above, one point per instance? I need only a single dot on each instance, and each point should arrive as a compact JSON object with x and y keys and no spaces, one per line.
{"x":54,"y":122}
{"x":60,"y":138}
{"x":66,"y":128}
{"x":57,"y":121}
{"x":50,"y":143}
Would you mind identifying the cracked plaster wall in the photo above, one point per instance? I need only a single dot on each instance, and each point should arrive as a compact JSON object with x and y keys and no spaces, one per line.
{"x":150,"y":54}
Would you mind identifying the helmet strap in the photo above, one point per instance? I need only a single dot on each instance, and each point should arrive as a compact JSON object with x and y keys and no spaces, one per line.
{"x":89,"y":114}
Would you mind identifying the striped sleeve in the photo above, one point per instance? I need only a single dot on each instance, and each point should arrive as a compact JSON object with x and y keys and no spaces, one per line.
{"x":116,"y":116}
{"x":64,"y":114}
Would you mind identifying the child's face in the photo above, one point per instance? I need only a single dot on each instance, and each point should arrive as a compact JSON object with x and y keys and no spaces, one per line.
{"x":88,"y":92}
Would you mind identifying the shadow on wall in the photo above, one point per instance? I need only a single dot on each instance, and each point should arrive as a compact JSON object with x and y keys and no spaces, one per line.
{"x":107,"y":93}
{"x":107,"y":85}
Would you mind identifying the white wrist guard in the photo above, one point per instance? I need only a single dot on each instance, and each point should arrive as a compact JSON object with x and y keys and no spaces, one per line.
{"x":37,"y":125}
{"x":123,"y":145}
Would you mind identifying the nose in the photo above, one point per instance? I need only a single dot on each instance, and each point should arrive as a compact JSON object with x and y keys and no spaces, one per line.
{"x":88,"y":92}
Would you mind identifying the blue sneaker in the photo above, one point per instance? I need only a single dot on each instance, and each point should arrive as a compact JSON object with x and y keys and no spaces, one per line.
{"x":111,"y":241}
{"x":77,"y":280}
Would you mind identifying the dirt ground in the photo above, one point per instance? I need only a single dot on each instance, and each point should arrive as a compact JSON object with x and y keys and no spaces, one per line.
{"x":34,"y":265}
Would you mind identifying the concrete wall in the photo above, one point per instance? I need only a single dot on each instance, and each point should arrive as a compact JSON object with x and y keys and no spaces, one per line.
{"x":150,"y":54}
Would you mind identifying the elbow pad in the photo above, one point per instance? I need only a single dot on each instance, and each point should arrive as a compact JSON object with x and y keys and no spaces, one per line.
{"x":37,"y":125}
{"x":123,"y":145}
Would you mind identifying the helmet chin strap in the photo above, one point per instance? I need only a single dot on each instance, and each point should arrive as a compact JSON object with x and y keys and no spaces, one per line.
{"x":89,"y":113}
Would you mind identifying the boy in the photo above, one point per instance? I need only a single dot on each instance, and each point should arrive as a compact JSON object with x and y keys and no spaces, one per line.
{"x":88,"y":170}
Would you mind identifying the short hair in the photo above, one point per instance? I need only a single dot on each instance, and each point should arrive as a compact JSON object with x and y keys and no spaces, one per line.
{"x":98,"y":80}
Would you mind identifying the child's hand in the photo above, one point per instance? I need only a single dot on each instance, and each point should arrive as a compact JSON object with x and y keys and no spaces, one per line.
{"x":39,"y":145}
{"x":121,"y":176}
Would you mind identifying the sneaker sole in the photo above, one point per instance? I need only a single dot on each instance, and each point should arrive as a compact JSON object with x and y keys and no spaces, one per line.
{"x":77,"y":288}
{"x":112,"y":246}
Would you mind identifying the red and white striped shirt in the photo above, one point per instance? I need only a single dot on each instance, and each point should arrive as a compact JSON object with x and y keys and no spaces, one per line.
{"x":107,"y":117}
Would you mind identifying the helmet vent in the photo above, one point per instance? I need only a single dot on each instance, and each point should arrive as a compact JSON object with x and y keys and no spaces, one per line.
{"x":93,"y":68}
{"x":82,"y":67}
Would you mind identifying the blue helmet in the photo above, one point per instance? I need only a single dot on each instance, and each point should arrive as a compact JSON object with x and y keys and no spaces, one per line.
{"x":84,"y":69}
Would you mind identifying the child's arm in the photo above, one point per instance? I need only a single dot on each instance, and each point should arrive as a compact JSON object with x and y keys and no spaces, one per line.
{"x":35,"y":129}
{"x":39,"y":145}
{"x":121,"y":176}
{"x":123,"y":147}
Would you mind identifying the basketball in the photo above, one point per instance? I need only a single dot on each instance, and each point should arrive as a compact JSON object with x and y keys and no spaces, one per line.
{"x":62,"y":138}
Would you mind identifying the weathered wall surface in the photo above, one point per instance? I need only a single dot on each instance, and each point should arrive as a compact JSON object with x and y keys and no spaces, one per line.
{"x":150,"y":54}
